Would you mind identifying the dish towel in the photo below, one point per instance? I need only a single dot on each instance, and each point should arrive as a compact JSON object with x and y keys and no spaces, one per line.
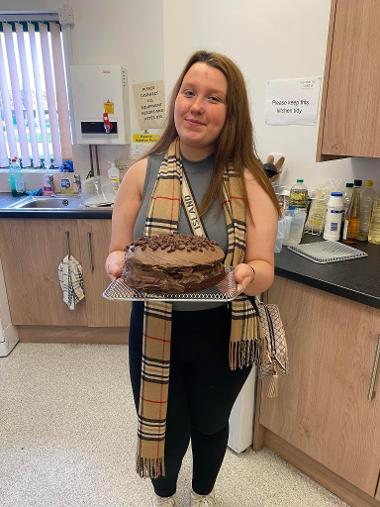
{"x":70,"y":275}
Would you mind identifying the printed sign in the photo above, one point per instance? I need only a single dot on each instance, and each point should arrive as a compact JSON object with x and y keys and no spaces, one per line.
{"x":145,"y":138}
{"x":150,"y":104}
{"x":292,"y":101}
{"x":109,"y":107}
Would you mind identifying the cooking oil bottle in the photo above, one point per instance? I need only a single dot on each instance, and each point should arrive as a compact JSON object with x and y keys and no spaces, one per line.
{"x":352,"y":218}
{"x":298,"y":196}
{"x":374,"y":225}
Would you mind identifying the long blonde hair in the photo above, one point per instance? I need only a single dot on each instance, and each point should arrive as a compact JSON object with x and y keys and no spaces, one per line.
{"x":235,"y":144}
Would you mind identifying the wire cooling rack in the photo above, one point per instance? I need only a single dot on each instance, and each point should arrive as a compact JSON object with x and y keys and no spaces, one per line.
{"x":225,"y":290}
{"x":324,"y":252}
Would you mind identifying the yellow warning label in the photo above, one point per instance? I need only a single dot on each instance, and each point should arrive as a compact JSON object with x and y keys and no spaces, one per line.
{"x":145,"y":138}
{"x":109,"y":107}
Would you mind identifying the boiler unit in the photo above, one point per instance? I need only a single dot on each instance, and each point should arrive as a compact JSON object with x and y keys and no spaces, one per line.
{"x":101,"y":105}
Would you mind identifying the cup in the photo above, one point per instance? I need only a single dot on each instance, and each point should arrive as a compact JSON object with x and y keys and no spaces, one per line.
{"x":283,"y":228}
{"x":298,"y":217}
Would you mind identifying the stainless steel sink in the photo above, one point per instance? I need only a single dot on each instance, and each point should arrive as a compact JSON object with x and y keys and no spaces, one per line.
{"x":45,"y":203}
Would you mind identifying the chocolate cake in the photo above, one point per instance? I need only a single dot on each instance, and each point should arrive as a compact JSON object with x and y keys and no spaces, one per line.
{"x":173,"y":263}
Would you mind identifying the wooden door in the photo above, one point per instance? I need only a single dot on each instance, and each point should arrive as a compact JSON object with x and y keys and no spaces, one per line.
{"x":30,"y":252}
{"x":322,"y":407}
{"x":95,"y":238}
{"x":350,"y":113}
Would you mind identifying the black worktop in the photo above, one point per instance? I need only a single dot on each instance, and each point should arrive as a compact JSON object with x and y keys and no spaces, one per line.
{"x":6,"y":199}
{"x":358,"y":279}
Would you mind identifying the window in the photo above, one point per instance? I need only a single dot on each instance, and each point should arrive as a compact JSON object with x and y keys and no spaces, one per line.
{"x":34,"y":114}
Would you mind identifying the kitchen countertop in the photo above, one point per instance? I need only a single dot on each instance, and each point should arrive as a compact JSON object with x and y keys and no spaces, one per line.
{"x":6,"y":199}
{"x":358,"y":279}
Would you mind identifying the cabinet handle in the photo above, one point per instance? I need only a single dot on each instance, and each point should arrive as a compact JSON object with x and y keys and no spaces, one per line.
{"x":67,"y":240}
{"x":89,"y":247}
{"x":371,"y":388}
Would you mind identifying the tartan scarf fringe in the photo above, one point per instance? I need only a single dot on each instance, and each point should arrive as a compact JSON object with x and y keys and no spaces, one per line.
{"x":152,"y":468}
{"x":244,"y":354}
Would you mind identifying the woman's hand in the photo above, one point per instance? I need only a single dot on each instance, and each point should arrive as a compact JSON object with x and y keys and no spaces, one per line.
{"x":244,"y":275}
{"x":115,"y":263}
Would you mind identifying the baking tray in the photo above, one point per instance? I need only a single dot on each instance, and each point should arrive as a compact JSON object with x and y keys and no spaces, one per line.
{"x":225,"y":290}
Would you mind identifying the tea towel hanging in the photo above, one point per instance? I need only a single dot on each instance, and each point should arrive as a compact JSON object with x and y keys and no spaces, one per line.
{"x":70,"y":276}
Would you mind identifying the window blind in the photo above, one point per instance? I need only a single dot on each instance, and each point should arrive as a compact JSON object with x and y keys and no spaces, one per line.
{"x":35,"y":124}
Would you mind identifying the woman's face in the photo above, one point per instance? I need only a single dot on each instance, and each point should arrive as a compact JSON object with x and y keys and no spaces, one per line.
{"x":200,"y":109}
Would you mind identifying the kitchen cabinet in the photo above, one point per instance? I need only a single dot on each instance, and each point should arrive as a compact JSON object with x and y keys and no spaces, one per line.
{"x":94,"y":238}
{"x":350,"y":109}
{"x":323,"y":408}
{"x":30,"y":253}
{"x":31,"y":250}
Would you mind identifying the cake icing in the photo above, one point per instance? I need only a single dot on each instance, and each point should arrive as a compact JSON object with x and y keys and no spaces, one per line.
{"x":173,"y":263}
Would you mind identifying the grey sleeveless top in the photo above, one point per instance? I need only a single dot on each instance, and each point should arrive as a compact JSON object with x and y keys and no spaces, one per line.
{"x":198,"y":174}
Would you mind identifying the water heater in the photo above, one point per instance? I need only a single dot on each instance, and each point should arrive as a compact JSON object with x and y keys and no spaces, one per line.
{"x":101,"y":106}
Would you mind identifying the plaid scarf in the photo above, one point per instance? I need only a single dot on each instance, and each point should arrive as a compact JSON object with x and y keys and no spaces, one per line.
{"x":163,"y":218}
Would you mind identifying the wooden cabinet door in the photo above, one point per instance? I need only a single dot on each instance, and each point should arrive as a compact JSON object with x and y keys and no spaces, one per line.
{"x":95,"y":238}
{"x":350,"y":113}
{"x":322,"y":407}
{"x":30,"y":252}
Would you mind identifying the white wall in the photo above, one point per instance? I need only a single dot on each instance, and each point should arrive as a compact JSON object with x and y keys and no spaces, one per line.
{"x":268,"y":40}
{"x":117,"y":32}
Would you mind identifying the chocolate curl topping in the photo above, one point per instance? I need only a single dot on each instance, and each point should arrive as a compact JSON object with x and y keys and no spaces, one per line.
{"x":173,"y":242}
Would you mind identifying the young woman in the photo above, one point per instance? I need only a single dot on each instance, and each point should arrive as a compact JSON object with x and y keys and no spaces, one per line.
{"x":208,"y":348}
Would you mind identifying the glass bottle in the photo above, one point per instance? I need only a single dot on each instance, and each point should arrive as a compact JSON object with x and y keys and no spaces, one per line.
{"x":352,"y":218}
{"x":367,"y":197}
{"x":374,"y":224}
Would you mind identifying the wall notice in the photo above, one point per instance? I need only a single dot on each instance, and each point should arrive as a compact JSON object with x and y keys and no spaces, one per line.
{"x":150,"y":104}
{"x":292,"y":101}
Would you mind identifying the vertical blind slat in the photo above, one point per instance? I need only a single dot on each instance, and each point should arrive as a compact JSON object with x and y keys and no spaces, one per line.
{"x":37,"y":82}
{"x":50,"y":95}
{"x":4,"y":159}
{"x":60,"y":88}
{"x":17,"y":102}
{"x":6,"y":107}
{"x":27,"y":95}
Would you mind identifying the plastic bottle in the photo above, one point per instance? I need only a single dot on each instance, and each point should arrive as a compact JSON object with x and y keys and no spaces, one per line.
{"x":16,"y":178}
{"x":298,"y":195}
{"x":374,"y":224}
{"x":334,"y":216}
{"x":114,"y":175}
{"x":352,"y":218}
{"x":48,"y":184}
{"x":366,"y":202}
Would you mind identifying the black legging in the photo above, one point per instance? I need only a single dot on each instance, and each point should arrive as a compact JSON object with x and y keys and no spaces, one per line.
{"x":202,"y":391}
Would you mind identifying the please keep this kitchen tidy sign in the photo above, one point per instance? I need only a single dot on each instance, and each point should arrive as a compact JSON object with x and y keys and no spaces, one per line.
{"x":292,"y":101}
